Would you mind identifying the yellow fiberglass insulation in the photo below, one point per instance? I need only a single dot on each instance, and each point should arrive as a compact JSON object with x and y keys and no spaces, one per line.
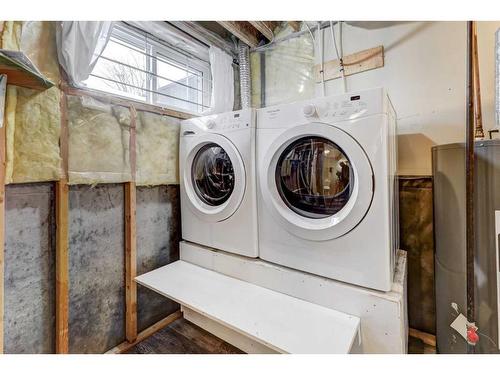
{"x":10,"y":35}
{"x":36,"y":136}
{"x":41,"y":33}
{"x":157,"y":149}
{"x":32,"y":118}
{"x":98,"y":143}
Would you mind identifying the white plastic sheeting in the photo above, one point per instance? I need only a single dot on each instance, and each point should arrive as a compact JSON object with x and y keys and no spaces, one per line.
{"x":283,"y":71}
{"x":173,"y":37}
{"x":98,"y":143}
{"x":79,"y":45}
{"x":221,"y":66}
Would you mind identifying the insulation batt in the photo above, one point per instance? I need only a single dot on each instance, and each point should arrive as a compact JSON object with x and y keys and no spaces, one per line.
{"x":157,"y":147}
{"x":98,"y":145}
{"x":32,"y":117}
{"x":36,"y":136}
{"x":39,"y":33}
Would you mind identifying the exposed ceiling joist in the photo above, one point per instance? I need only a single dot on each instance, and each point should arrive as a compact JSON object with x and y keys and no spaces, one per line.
{"x":295,"y":25}
{"x":265,"y":27}
{"x":243,"y":30}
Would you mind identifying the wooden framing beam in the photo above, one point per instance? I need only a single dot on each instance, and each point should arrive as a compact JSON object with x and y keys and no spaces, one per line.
{"x":62,"y":241}
{"x":131,"y":240}
{"x":130,"y":263}
{"x":3,"y":84}
{"x":123,"y":347}
{"x":265,"y":27}
{"x":295,"y":25}
{"x":243,"y":30}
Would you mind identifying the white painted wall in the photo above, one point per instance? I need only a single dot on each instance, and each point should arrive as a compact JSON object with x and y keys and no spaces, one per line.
{"x":425,"y":75}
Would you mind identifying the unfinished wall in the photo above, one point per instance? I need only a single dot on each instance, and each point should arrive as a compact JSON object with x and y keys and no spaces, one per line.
{"x":158,"y":235}
{"x":29,"y":269}
{"x":417,"y":238}
{"x":96,"y":268}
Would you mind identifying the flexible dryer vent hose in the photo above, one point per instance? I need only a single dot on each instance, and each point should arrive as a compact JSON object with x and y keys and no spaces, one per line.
{"x":245,"y":88}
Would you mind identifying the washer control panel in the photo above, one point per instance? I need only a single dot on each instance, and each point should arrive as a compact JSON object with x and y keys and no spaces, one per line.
{"x":220,"y":123}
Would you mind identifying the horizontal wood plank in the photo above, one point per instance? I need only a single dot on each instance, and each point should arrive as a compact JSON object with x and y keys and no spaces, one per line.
{"x":358,"y":62}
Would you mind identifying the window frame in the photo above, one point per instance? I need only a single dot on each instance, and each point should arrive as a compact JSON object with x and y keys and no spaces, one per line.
{"x":151,"y":47}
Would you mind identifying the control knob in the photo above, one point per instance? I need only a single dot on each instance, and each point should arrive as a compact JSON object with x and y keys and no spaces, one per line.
{"x":211,"y":124}
{"x":309,"y":110}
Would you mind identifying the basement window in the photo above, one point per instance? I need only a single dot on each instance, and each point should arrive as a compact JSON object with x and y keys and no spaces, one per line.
{"x":138,"y":66}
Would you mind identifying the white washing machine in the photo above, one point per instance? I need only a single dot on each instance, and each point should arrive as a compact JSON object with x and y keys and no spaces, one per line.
{"x":327,"y":199}
{"x":217,"y":182}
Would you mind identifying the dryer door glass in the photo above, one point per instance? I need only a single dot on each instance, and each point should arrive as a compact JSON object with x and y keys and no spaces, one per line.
{"x":213,"y":174}
{"x":314,"y":177}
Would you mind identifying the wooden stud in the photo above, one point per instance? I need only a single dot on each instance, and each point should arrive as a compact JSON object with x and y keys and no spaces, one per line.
{"x":2,"y":214}
{"x":244,"y":31}
{"x":62,"y":245}
{"x":62,"y":271}
{"x":131,"y":241}
{"x":130,"y":263}
{"x":358,"y":62}
{"x":123,"y":347}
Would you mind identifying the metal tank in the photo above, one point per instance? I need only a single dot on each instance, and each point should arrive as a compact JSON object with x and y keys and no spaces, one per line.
{"x":448,"y":163}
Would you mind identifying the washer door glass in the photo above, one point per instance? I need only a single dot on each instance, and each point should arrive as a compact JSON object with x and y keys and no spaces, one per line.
{"x":213,"y":175}
{"x":314,"y":177}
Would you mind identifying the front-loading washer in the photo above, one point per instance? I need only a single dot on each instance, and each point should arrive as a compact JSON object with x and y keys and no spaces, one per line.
{"x":217,"y":182}
{"x":327,"y":199}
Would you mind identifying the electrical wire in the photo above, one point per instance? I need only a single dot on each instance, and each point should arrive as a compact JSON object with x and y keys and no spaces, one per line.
{"x":321,"y":44}
{"x":340,"y":56}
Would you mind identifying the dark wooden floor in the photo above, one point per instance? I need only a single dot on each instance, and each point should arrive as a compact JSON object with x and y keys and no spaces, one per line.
{"x":183,"y":337}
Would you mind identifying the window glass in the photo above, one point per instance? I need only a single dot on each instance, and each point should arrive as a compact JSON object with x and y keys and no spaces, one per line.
{"x":137,"y":66}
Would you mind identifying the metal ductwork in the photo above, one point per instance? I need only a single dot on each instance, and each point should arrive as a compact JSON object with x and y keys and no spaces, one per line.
{"x":245,"y":85}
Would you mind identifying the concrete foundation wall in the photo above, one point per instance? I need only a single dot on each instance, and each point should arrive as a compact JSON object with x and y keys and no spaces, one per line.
{"x":158,"y":235}
{"x":29,"y":269}
{"x":96,"y":268}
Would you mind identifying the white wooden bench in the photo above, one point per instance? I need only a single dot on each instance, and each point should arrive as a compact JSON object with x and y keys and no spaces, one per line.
{"x":277,"y":321}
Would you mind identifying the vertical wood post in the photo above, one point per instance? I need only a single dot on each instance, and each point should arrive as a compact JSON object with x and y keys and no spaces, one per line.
{"x":131,"y":242}
{"x":3,"y":84}
{"x":62,"y":239}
